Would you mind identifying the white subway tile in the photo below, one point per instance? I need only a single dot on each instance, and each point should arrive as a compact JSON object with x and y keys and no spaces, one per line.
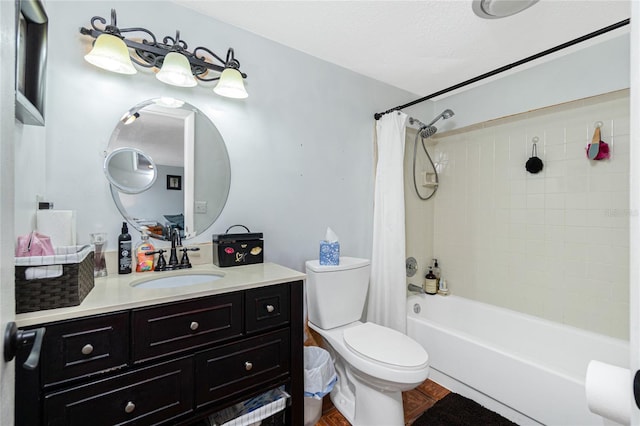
{"x":554,"y":244}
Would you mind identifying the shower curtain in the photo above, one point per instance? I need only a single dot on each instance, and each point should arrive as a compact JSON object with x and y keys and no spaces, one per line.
{"x":387,"y":292}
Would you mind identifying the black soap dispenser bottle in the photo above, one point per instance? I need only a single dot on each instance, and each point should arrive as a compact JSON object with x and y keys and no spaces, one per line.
{"x":124,"y":250}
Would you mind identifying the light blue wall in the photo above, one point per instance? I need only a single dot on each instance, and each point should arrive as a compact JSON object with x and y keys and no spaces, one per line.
{"x":301,"y":146}
{"x":587,"y":69}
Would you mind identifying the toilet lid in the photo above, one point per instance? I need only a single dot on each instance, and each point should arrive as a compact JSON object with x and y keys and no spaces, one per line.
{"x":385,"y":345}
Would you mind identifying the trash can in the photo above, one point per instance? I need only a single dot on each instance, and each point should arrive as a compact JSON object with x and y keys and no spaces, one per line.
{"x":319,"y":378}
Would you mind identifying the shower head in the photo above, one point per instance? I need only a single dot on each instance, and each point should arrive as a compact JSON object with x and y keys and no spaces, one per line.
{"x":447,"y":113}
{"x":428,"y":131}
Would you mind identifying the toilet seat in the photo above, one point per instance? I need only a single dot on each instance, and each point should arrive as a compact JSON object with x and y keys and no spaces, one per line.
{"x":385,"y":345}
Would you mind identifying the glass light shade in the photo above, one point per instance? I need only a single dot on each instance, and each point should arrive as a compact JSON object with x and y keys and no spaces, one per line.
{"x":231,"y":85}
{"x":110,"y":53}
{"x":176,"y":71}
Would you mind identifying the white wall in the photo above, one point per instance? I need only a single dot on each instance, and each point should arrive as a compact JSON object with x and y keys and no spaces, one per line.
{"x":301,"y":146}
{"x":598,"y":66}
{"x":7,"y":167}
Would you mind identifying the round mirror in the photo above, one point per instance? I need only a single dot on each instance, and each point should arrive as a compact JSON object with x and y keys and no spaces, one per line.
{"x":168,"y":168}
{"x":130,"y":170}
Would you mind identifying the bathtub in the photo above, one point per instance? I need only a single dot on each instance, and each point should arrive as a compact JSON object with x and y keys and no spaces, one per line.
{"x":528,"y":369}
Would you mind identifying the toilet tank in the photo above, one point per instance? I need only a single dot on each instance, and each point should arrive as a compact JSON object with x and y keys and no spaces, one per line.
{"x":336,"y":294}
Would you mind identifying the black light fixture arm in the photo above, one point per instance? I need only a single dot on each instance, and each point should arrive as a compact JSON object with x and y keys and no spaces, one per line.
{"x":150,"y":52}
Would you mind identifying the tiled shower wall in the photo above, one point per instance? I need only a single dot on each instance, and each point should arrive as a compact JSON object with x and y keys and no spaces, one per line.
{"x":553,"y":244}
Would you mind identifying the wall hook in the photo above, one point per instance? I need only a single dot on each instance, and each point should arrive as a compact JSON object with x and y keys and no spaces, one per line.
{"x":534,"y":164}
{"x":598,"y":124}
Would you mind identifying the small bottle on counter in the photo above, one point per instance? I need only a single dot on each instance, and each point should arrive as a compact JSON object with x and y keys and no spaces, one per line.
{"x":436,"y":271}
{"x":442,"y":287}
{"x":124,"y":250}
{"x":144,"y":261}
{"x":430,"y":282}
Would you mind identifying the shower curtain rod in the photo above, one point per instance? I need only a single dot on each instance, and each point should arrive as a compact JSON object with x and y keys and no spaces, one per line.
{"x":570,"y":43}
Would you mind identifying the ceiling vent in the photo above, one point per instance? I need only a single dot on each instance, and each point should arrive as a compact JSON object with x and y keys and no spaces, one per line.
{"x":494,"y":9}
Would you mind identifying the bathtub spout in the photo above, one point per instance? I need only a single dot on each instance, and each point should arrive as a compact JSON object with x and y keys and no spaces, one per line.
{"x":415,"y":288}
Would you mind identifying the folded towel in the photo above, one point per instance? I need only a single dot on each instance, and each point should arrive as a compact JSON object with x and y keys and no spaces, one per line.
{"x":39,"y":272}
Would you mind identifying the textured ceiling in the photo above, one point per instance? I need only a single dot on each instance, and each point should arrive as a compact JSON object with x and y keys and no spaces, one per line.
{"x":419,"y":46}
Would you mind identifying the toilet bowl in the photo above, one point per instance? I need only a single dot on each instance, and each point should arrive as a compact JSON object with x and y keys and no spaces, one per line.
{"x":375,"y":364}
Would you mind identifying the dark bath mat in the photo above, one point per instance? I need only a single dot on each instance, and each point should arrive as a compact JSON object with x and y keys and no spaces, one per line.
{"x":456,"y":410}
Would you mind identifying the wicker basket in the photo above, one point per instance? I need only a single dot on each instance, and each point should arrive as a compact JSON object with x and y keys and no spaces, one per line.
{"x":69,"y":289}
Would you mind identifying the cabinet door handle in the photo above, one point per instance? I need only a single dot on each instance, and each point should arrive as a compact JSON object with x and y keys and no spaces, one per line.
{"x":87,"y":349}
{"x":248,"y":366}
{"x":270,"y":308}
{"x":194,"y":326}
{"x":129,"y":407}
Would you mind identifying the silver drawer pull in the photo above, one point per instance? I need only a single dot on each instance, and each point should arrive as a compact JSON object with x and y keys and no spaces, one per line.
{"x":248,"y":366}
{"x":87,"y":349}
{"x":129,"y":407}
{"x":270,"y":308}
{"x":194,"y":326}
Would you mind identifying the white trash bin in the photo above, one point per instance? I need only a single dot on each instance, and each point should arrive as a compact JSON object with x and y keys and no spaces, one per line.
{"x":319,"y":379}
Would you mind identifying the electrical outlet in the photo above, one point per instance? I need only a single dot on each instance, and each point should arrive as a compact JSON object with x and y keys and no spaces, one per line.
{"x":201,"y":207}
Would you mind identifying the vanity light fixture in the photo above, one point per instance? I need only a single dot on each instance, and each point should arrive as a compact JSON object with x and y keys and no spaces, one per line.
{"x":110,"y":53}
{"x":177,"y":66}
{"x":230,"y":84}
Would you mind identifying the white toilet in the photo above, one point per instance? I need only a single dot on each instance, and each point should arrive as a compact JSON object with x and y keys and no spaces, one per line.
{"x":374,"y":363}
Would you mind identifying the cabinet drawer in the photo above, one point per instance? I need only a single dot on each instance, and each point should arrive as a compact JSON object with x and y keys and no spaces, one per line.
{"x":230,"y":369}
{"x":82,"y":347}
{"x":146,"y":396}
{"x":267,"y":307}
{"x":171,"y":328}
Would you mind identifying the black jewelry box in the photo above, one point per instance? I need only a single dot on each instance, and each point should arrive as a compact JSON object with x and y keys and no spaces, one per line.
{"x":238,"y":249}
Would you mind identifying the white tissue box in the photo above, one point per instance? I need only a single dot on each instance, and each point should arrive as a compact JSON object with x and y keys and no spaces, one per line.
{"x":329,"y":252}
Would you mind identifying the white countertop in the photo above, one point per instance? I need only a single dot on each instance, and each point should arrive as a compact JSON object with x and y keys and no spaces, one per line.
{"x":116,"y":292}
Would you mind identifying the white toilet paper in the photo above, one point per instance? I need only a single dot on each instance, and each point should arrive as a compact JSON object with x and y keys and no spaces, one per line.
{"x":60,"y":225}
{"x":609,"y":391}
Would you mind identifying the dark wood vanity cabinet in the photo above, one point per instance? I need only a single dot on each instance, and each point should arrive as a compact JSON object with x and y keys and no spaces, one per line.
{"x":174,"y":363}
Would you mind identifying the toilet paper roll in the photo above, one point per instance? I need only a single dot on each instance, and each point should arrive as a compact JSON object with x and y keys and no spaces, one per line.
{"x":608,"y":390}
{"x":60,"y":225}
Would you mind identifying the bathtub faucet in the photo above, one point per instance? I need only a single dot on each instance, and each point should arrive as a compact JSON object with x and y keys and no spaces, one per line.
{"x":415,"y":288}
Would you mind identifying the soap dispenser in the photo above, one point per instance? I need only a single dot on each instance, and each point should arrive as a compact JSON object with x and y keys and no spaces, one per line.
{"x":144,"y":261}
{"x":430,"y":282}
{"x":124,"y":250}
{"x":436,"y":272}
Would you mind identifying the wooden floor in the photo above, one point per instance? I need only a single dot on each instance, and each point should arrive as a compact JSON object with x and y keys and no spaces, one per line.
{"x":415,"y":402}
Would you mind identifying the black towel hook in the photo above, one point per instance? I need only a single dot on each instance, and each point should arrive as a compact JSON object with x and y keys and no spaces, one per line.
{"x":534,"y":164}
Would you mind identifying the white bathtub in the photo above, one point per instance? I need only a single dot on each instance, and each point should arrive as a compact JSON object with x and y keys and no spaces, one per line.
{"x":528,"y":369}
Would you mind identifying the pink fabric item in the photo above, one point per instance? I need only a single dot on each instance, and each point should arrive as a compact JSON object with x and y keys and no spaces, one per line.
{"x":34,"y":244}
{"x":603,"y":151}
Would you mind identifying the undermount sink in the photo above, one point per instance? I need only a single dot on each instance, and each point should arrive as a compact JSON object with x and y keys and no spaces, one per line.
{"x":176,"y":280}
